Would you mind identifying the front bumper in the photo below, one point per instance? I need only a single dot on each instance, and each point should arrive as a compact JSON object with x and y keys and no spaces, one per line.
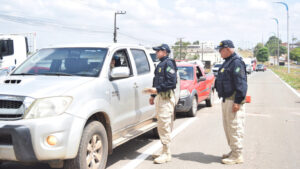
{"x":25,"y":140}
{"x":184,"y":104}
{"x":16,"y":143}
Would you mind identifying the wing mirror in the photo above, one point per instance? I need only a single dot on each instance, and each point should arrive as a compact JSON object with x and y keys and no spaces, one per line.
{"x":120,"y":72}
{"x":201,"y":79}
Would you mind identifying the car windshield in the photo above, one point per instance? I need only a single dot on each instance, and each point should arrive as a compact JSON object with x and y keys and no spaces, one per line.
{"x":186,"y":73}
{"x":260,"y":65}
{"x":64,"y":62}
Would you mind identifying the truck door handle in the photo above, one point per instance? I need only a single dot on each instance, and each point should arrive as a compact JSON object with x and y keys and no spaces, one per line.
{"x":135,"y":85}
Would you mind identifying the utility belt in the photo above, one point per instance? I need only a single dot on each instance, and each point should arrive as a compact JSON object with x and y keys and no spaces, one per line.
{"x":232,"y":98}
{"x":166,"y":95}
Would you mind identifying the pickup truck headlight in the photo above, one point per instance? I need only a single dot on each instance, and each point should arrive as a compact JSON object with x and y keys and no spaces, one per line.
{"x":184,"y":93}
{"x":47,"y":107}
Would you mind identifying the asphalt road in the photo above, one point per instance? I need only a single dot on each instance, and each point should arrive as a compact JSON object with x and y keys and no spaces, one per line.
{"x":272,"y":138}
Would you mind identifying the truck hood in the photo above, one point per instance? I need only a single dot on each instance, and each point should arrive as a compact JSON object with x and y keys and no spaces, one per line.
{"x":186,"y":84}
{"x":40,"y":86}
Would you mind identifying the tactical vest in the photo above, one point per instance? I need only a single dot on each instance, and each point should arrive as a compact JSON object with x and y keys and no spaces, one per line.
{"x":160,"y":72}
{"x":224,"y":84}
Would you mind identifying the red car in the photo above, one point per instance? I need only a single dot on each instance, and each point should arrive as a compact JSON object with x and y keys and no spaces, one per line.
{"x":195,"y":87}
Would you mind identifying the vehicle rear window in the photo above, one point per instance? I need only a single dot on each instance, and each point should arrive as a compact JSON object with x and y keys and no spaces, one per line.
{"x":153,"y":57}
{"x":7,"y":47}
{"x":141,"y":61}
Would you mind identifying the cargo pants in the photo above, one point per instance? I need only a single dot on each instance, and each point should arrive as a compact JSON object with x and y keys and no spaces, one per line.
{"x":164,"y":113}
{"x":234,"y":124}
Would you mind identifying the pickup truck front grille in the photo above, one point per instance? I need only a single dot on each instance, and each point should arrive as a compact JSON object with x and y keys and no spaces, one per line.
{"x":11,"y":116}
{"x":8,"y":104}
{"x":11,"y":107}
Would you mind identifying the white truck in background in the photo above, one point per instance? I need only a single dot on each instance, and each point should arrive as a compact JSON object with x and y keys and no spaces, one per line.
{"x":14,"y":49}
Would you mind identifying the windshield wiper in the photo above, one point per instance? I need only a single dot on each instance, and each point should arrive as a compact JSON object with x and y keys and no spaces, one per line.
{"x":56,"y":74}
{"x":22,"y":74}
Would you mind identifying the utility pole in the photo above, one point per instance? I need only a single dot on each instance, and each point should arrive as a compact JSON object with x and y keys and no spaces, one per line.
{"x":287,"y":30}
{"x":115,"y":24}
{"x":202,"y":50}
{"x":262,"y":39}
{"x":180,"y":46}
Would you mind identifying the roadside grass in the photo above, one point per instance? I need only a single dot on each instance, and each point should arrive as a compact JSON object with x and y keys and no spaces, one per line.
{"x":292,"y":79}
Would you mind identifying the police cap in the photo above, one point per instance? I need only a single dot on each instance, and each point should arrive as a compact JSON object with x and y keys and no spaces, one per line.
{"x":162,"y":47}
{"x":225,"y":44}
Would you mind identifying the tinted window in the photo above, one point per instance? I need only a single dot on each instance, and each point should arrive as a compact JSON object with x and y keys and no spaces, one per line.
{"x":153,"y":57}
{"x":186,"y":73}
{"x":141,"y":61}
{"x":7,"y":47}
{"x":64,"y":61}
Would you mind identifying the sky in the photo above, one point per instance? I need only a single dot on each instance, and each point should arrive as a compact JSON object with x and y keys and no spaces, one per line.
{"x":149,"y":22}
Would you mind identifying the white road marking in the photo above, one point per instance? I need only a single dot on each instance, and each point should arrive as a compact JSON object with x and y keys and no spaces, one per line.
{"x":292,"y":89}
{"x":257,"y":115}
{"x":134,"y":163}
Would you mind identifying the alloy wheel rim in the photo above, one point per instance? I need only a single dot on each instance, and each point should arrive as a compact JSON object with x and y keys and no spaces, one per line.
{"x":94,"y":152}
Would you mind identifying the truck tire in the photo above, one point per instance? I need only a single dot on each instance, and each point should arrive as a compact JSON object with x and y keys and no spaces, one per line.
{"x":209,"y":100}
{"x":93,"y":149}
{"x":193,"y":111}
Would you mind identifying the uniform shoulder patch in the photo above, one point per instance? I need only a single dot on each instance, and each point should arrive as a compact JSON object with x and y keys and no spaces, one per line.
{"x":237,"y":70}
{"x":169,"y":69}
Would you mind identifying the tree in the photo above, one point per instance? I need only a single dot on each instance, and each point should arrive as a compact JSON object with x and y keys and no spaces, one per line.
{"x":176,"y":49}
{"x":263,"y":54}
{"x":196,"y":57}
{"x":295,"y":54}
{"x":257,"y":47}
{"x":272,"y":45}
{"x":196,"y":43}
{"x":282,"y":50}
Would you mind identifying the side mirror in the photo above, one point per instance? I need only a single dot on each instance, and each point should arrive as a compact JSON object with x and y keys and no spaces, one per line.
{"x":120,"y":72}
{"x":201,"y":79}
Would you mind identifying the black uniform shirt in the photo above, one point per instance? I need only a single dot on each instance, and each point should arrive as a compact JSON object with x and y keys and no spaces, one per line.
{"x":232,"y":79}
{"x":165,"y":75}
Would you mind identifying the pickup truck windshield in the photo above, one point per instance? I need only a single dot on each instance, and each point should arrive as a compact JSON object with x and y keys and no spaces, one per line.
{"x":186,"y":73}
{"x":64,"y":62}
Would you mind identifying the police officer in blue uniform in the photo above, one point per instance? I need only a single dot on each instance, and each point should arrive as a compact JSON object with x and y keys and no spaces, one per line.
{"x":231,"y":85}
{"x":162,"y":95}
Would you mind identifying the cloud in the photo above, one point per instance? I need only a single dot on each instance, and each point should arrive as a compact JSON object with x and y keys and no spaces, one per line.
{"x":147,"y":21}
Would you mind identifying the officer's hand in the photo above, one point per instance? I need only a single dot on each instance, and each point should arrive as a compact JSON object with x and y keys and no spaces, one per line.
{"x":236,"y":107}
{"x":150,"y":90}
{"x":151,"y":100}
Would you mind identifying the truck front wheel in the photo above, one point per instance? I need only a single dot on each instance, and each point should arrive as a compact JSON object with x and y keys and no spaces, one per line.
{"x":93,"y":149}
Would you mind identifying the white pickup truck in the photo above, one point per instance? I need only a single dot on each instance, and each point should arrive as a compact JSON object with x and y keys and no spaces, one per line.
{"x":68,"y":107}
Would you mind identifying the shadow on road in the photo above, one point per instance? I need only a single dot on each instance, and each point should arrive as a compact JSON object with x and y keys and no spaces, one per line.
{"x":198,"y":157}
